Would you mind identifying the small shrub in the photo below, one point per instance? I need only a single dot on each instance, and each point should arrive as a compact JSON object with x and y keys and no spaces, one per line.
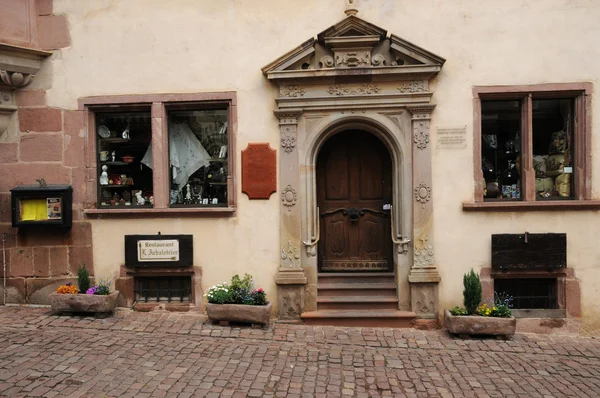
{"x":458,"y":311}
{"x":241,"y":289}
{"x":472,"y":292}
{"x":83,"y":279}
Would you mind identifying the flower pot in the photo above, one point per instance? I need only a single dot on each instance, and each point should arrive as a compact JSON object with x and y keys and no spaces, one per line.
{"x":479,"y":325}
{"x":257,"y":314}
{"x":83,"y":302}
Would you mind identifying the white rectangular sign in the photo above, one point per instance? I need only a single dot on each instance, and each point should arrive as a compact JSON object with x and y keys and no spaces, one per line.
{"x":158,"y":250}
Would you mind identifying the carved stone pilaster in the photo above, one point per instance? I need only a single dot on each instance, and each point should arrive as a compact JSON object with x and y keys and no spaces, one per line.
{"x":423,"y":276}
{"x":290,"y":278}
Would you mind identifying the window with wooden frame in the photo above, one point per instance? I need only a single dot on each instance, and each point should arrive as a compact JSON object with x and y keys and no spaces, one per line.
{"x":165,"y":153}
{"x":532,"y":147}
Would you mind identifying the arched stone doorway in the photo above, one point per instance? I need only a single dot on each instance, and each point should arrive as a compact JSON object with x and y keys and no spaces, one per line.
{"x":355,"y":76}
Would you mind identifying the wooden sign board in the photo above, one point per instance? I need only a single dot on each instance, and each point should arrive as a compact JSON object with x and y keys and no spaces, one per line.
{"x":143,"y":251}
{"x":529,"y":251}
{"x":259,"y":171}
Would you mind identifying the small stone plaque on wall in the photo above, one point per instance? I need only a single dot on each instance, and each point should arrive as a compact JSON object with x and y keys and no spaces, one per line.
{"x":259,"y":171}
{"x":449,"y":138}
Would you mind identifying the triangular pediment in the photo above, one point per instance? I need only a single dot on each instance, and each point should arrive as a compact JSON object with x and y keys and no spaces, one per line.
{"x":354,"y":44}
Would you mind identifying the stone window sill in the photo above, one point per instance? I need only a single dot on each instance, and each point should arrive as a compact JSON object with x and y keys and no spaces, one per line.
{"x":540,"y":313}
{"x":170,"y":212}
{"x":533,"y":206}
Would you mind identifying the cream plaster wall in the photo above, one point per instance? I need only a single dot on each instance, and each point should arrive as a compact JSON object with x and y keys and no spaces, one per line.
{"x":152,"y":46}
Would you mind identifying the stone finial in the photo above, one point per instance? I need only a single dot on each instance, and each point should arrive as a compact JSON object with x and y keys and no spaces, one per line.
{"x":351,"y":7}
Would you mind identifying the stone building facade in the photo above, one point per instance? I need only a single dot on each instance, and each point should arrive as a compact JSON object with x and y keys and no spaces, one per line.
{"x":395,"y":125}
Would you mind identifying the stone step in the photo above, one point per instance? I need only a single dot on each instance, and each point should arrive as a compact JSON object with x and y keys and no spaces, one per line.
{"x":360,"y":318}
{"x":387,"y":289}
{"x":357,"y":302}
{"x":356,"y":277}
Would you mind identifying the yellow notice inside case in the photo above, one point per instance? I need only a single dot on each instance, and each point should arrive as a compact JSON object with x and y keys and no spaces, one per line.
{"x":34,"y":209}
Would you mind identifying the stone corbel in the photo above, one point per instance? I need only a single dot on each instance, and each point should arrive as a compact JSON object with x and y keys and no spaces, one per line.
{"x":18,"y":66}
{"x":15,"y":80}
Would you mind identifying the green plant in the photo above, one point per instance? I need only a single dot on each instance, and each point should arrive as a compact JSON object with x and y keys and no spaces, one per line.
{"x":83,"y":279}
{"x":219,"y":294}
{"x":241,"y":289}
{"x":499,"y":308}
{"x":259,"y":297}
{"x":458,"y":311}
{"x":103,"y":288}
{"x":472,"y":292}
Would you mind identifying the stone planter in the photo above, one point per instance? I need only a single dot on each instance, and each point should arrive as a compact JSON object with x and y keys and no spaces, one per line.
{"x":255,"y":314}
{"x":479,"y":325}
{"x":83,"y":302}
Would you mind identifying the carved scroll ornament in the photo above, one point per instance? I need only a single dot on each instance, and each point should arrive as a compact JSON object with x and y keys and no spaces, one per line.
{"x":15,"y":79}
{"x":343,"y":89}
{"x":292,"y":91}
{"x":413,"y":87}
{"x":290,"y":256}
{"x":421,"y":135}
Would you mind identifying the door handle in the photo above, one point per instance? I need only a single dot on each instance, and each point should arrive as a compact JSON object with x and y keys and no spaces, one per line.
{"x":310,"y":244}
{"x":404,"y":241}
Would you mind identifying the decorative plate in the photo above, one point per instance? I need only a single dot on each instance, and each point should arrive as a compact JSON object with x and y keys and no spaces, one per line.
{"x":103,"y":131}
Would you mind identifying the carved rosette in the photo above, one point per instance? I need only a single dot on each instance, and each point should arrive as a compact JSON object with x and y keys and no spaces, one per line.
{"x":421,"y":134}
{"x":290,"y":256}
{"x":413,"y":87}
{"x":288,"y":197}
{"x":422,"y":194}
{"x":292,"y":91}
{"x":344,"y":89}
{"x":15,"y":79}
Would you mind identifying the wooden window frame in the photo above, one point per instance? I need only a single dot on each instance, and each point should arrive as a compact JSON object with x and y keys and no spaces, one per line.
{"x":158,"y":105}
{"x":581,"y":94}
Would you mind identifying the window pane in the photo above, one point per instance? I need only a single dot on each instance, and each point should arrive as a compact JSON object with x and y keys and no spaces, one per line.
{"x":501,"y":149}
{"x":198,"y":156}
{"x":553,"y":148}
{"x":124,"y":172}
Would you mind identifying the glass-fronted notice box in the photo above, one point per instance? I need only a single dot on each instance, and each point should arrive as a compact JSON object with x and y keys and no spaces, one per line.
{"x":34,"y":205}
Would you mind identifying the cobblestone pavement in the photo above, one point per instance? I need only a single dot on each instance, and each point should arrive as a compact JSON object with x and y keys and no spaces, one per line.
{"x":178,"y":355}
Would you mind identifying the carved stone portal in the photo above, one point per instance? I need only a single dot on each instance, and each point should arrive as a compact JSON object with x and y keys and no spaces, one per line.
{"x":354,"y":72}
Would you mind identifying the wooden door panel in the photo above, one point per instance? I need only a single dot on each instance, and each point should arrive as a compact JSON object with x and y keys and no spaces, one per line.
{"x":353,"y":184}
{"x":336,"y":237}
{"x":337,"y":175}
{"x":370,"y":165}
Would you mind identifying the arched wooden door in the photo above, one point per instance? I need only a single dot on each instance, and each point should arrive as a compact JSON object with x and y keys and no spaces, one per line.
{"x":354,"y":182}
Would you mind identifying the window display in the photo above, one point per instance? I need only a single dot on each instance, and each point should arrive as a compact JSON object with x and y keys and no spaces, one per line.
{"x":198,"y":157}
{"x":501,"y":149}
{"x":553,"y":148}
{"x":123,"y":180}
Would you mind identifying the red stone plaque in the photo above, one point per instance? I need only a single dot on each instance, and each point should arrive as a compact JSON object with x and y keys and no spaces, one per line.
{"x":259,"y":171}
